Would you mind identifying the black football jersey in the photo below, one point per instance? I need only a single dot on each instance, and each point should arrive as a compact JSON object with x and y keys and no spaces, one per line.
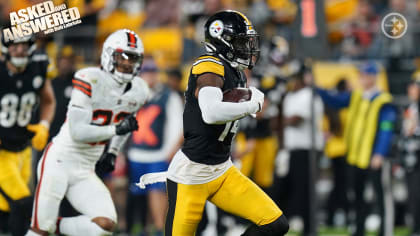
{"x":204,"y":143}
{"x":19,"y":99}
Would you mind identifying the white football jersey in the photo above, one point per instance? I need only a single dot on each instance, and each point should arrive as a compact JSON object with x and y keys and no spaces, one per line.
{"x":109,"y":101}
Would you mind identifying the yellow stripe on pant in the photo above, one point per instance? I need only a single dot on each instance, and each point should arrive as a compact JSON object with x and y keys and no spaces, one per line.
{"x":15,"y":173}
{"x":232,"y":192}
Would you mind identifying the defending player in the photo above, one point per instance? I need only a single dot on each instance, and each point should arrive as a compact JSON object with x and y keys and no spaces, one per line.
{"x":23,"y":87}
{"x":101,"y":107}
{"x":202,"y":169}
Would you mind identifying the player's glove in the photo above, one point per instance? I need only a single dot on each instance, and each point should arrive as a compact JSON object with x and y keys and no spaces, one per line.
{"x":129,"y":124}
{"x":40,"y":138}
{"x":105,"y":164}
{"x":258,"y":98}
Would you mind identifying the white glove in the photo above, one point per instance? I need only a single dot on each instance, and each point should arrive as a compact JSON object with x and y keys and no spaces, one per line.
{"x":257,"y":97}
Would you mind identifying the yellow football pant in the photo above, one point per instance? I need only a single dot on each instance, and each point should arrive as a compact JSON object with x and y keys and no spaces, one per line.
{"x":260,"y":161}
{"x":232,"y":192}
{"x":15,"y":173}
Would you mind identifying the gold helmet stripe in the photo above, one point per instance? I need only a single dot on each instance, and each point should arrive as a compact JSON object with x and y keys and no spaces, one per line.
{"x":246,"y":19}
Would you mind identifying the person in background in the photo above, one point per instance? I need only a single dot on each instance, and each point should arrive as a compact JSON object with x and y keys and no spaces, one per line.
{"x":24,"y":88}
{"x":368,"y":133}
{"x":335,"y":150}
{"x":258,"y":154}
{"x":152,"y":147}
{"x":82,"y":37}
{"x":411,"y":150}
{"x":174,"y":76}
{"x":62,"y":86}
{"x":297,"y":119}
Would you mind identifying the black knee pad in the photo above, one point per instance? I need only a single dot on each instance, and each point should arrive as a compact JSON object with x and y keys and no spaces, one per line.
{"x":278,"y":227}
{"x":4,"y":219}
{"x":20,"y":215}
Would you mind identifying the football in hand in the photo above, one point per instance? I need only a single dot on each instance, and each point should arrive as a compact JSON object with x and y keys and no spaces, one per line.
{"x":237,"y":95}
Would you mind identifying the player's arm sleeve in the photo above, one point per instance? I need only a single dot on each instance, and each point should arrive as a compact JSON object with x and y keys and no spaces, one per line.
{"x":80,"y":116}
{"x":334,"y":100}
{"x":117,"y":142}
{"x":215,"y":111}
{"x":387,"y":119}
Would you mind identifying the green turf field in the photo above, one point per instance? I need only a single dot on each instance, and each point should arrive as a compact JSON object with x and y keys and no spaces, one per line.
{"x":327,"y":231}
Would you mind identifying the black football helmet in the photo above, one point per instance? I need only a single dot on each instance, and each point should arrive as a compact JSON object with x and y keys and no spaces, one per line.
{"x":231,"y":35}
{"x":18,"y":61}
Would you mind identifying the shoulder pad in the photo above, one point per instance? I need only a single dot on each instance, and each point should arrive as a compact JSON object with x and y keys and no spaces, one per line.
{"x":140,"y":83}
{"x":142,"y":86}
{"x":84,"y":78}
{"x":89,"y":74}
{"x":208,"y":64}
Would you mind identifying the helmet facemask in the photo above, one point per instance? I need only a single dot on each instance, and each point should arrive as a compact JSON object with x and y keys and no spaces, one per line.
{"x":241,"y":50}
{"x":126,"y":65}
{"x":246,"y":50}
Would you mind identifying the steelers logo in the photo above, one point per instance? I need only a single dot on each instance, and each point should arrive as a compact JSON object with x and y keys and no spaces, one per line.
{"x":216,"y":28}
{"x":394,"y":25}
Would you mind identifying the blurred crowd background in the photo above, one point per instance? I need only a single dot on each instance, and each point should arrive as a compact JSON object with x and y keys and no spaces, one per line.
{"x":348,"y":35}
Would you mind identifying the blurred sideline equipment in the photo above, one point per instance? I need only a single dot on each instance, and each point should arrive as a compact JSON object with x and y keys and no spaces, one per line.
{"x":24,"y":87}
{"x":100,"y":112}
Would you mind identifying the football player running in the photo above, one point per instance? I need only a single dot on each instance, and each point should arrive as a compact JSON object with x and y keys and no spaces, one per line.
{"x":23,"y":89}
{"x":202,"y":170}
{"x":101,"y":107}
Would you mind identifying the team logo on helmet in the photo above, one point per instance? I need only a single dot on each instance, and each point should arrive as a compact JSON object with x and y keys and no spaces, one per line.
{"x":216,"y":28}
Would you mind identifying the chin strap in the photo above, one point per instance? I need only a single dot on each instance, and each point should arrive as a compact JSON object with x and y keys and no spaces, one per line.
{"x":239,"y":63}
{"x":122,"y":78}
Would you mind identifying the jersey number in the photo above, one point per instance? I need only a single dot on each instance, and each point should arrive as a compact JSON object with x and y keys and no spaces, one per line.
{"x":231,"y":126}
{"x":13,"y":110}
{"x":104,"y":117}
